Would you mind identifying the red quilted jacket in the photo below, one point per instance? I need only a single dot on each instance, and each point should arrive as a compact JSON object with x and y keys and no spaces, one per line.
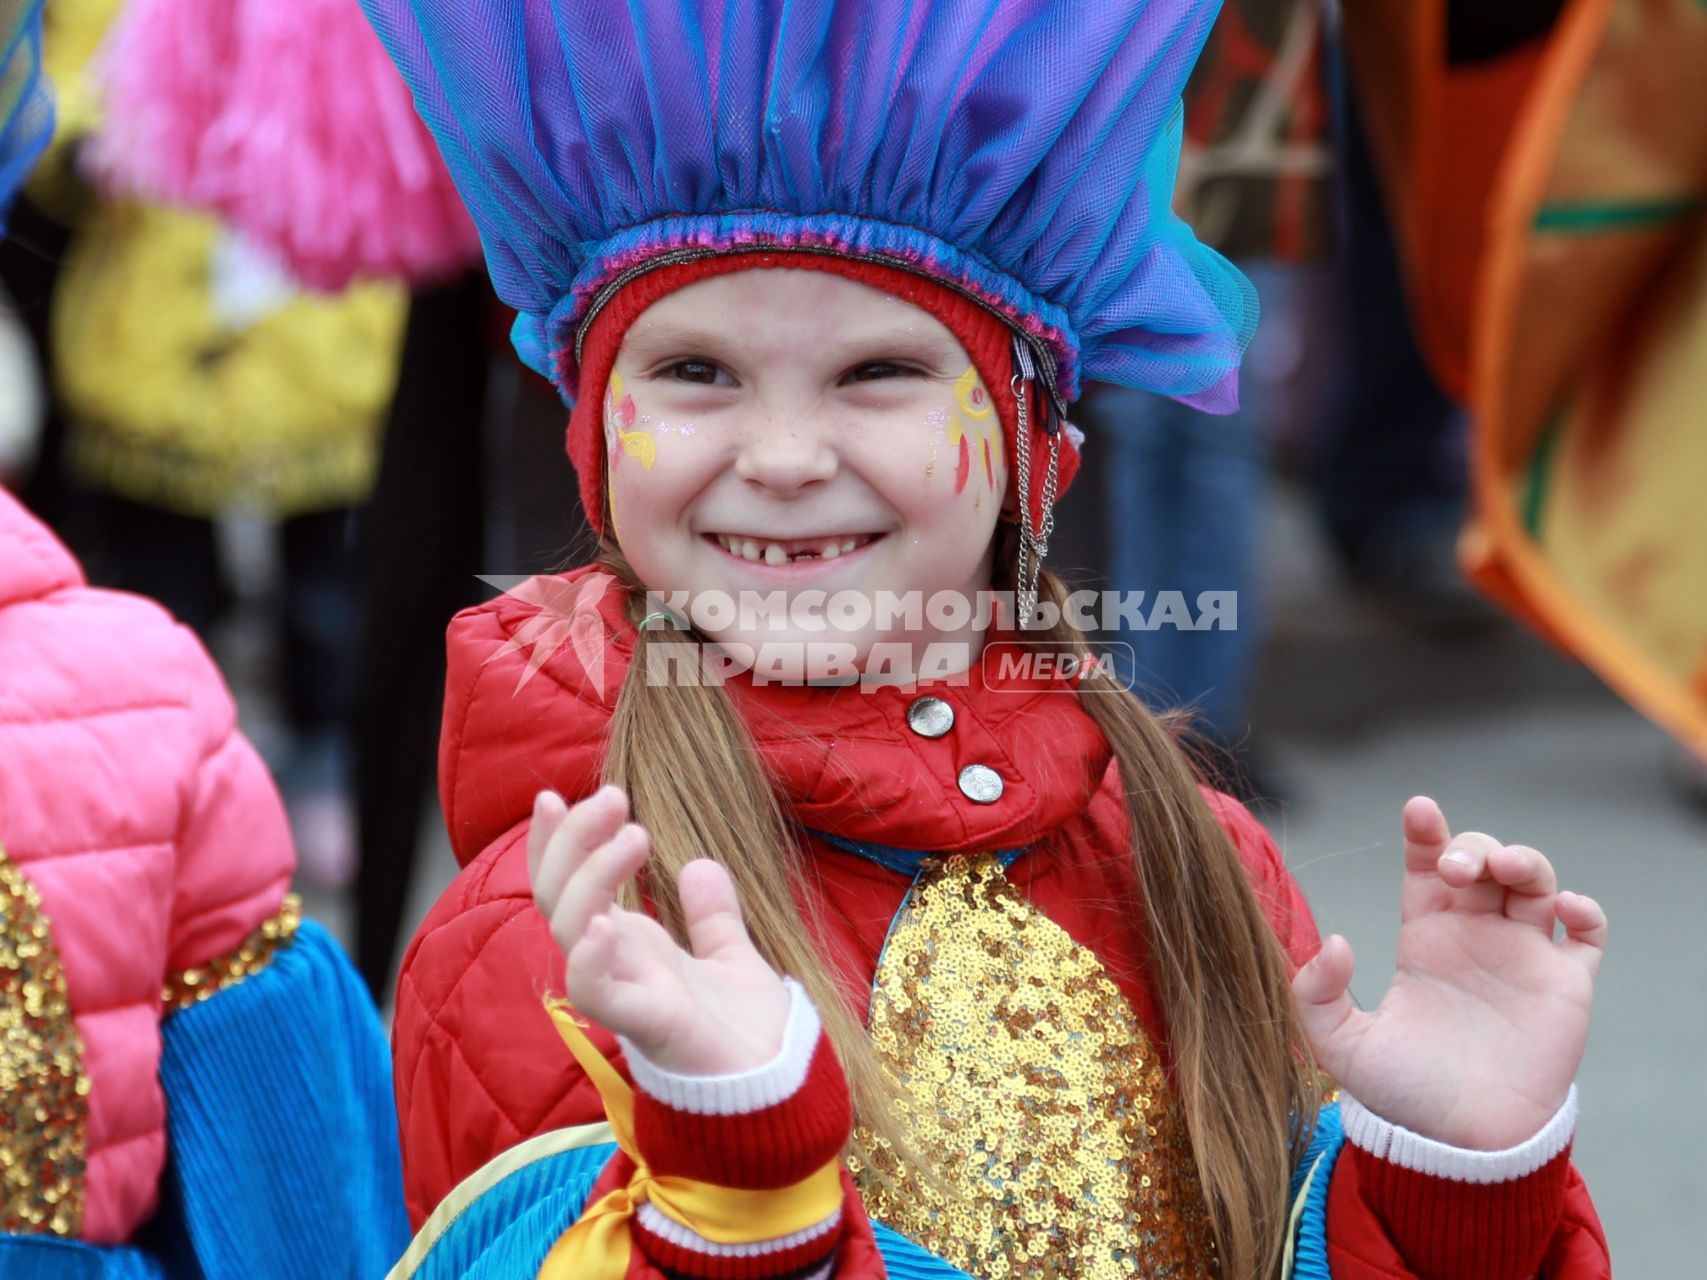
{"x":479,"y":1069}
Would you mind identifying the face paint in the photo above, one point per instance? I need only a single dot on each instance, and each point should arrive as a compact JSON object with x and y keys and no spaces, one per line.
{"x":974,"y":429}
{"x":620,"y":416}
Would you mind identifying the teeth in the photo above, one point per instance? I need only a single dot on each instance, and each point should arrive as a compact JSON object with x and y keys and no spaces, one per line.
{"x":776,"y":553}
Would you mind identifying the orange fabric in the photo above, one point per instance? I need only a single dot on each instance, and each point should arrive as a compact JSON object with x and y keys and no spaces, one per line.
{"x":1438,"y":133}
{"x":1583,"y":376}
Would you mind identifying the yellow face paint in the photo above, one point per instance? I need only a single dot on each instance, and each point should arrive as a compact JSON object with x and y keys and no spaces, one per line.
{"x":974,"y":430}
{"x":620,"y":416}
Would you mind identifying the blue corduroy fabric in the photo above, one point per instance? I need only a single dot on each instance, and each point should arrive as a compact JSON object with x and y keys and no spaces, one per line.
{"x":47,"y":1258}
{"x":1023,"y":150}
{"x":281,"y":1126}
{"x":1310,"y":1247}
{"x":905,"y":1260}
{"x":26,"y":101}
{"x":508,"y":1231}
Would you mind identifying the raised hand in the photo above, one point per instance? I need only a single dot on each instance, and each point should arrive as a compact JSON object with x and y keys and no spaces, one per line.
{"x":717,"y":1010}
{"x":1479,"y":1036}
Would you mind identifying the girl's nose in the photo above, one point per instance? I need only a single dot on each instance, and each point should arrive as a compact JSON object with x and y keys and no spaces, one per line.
{"x":784,"y":459}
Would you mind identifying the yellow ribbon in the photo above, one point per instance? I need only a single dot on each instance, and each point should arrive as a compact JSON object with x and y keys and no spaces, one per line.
{"x":598,"y":1246}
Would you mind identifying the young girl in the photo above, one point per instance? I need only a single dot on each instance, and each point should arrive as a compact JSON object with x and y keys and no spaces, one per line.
{"x":958,"y":970}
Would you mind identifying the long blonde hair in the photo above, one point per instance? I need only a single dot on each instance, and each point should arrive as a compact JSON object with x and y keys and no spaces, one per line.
{"x":1241,"y":1066}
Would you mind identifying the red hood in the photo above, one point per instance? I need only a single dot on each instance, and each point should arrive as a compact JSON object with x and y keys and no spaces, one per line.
{"x":844,"y":758}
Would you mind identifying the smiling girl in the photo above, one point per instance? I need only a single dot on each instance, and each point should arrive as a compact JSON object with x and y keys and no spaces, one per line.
{"x":927,"y":976}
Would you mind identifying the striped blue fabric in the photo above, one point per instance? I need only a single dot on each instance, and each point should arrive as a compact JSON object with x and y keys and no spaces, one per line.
{"x":506,"y":1233}
{"x":47,"y":1258}
{"x":1310,"y":1245}
{"x":281,"y":1126}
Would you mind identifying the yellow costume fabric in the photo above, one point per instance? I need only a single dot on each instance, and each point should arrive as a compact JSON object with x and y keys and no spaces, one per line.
{"x":598,"y":1246}
{"x":182,"y":400}
{"x":197,"y":377}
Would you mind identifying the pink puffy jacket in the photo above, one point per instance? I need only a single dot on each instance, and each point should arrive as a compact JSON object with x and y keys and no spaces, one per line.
{"x":146,"y":822}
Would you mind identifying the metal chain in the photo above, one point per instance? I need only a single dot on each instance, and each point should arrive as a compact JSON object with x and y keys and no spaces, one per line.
{"x":1032,"y":547}
{"x":1026,"y":604}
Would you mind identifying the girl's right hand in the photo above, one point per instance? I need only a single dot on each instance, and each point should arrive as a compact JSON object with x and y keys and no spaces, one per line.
{"x":718,"y":1010}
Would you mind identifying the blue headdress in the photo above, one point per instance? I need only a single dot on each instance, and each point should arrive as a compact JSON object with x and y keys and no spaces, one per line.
{"x":1021,"y":151}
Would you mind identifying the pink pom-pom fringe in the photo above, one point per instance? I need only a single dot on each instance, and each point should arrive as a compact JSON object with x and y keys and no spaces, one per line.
{"x":291,"y":123}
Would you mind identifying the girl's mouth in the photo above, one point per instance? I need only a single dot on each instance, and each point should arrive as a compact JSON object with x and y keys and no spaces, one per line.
{"x":774,"y":551}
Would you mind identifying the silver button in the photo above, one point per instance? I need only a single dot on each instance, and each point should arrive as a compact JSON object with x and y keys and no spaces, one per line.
{"x":930,"y":717}
{"x":980,"y":784}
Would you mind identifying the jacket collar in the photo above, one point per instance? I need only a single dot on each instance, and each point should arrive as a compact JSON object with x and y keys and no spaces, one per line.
{"x":850,"y":761}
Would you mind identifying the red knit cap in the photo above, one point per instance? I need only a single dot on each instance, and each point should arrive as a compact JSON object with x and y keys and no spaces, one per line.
{"x":987,"y":339}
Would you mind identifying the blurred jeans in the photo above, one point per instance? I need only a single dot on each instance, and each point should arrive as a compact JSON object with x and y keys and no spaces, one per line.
{"x":1183,"y":497}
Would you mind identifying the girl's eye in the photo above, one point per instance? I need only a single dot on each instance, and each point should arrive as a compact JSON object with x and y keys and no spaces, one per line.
{"x":699,"y":371}
{"x":876,"y":371}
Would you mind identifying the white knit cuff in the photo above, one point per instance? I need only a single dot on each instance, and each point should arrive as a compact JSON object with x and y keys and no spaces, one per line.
{"x":666,"y":1228}
{"x":746,"y":1091}
{"x":1412,"y":1151}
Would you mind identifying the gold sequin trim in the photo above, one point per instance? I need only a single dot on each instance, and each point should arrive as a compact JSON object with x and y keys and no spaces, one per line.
{"x":256,"y":952}
{"x":44,"y":1093}
{"x":1034,"y":1092}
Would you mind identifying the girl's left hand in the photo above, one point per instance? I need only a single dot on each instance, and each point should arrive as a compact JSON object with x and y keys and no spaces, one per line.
{"x":1479,"y":1036}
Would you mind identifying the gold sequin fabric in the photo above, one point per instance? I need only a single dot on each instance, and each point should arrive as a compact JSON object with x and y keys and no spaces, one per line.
{"x":44,"y":1093}
{"x":256,"y":952}
{"x":1032,"y":1089}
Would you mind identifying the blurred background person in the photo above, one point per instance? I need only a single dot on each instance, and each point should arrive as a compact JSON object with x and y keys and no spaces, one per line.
{"x":222,"y":387}
{"x":1180,"y":495}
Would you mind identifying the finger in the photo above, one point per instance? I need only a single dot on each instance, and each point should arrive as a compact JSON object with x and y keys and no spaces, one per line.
{"x":588,"y":974}
{"x":1426,"y":834}
{"x":1530,"y":884}
{"x":1426,"y":837}
{"x":584,"y":827}
{"x":1463,"y":869}
{"x":592,"y":890}
{"x":1585,"y":929}
{"x":1322,"y":992}
{"x":711,"y":910}
{"x":548,"y":813}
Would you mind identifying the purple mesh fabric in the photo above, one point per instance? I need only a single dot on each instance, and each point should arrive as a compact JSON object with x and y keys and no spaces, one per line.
{"x":1022,"y":149}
